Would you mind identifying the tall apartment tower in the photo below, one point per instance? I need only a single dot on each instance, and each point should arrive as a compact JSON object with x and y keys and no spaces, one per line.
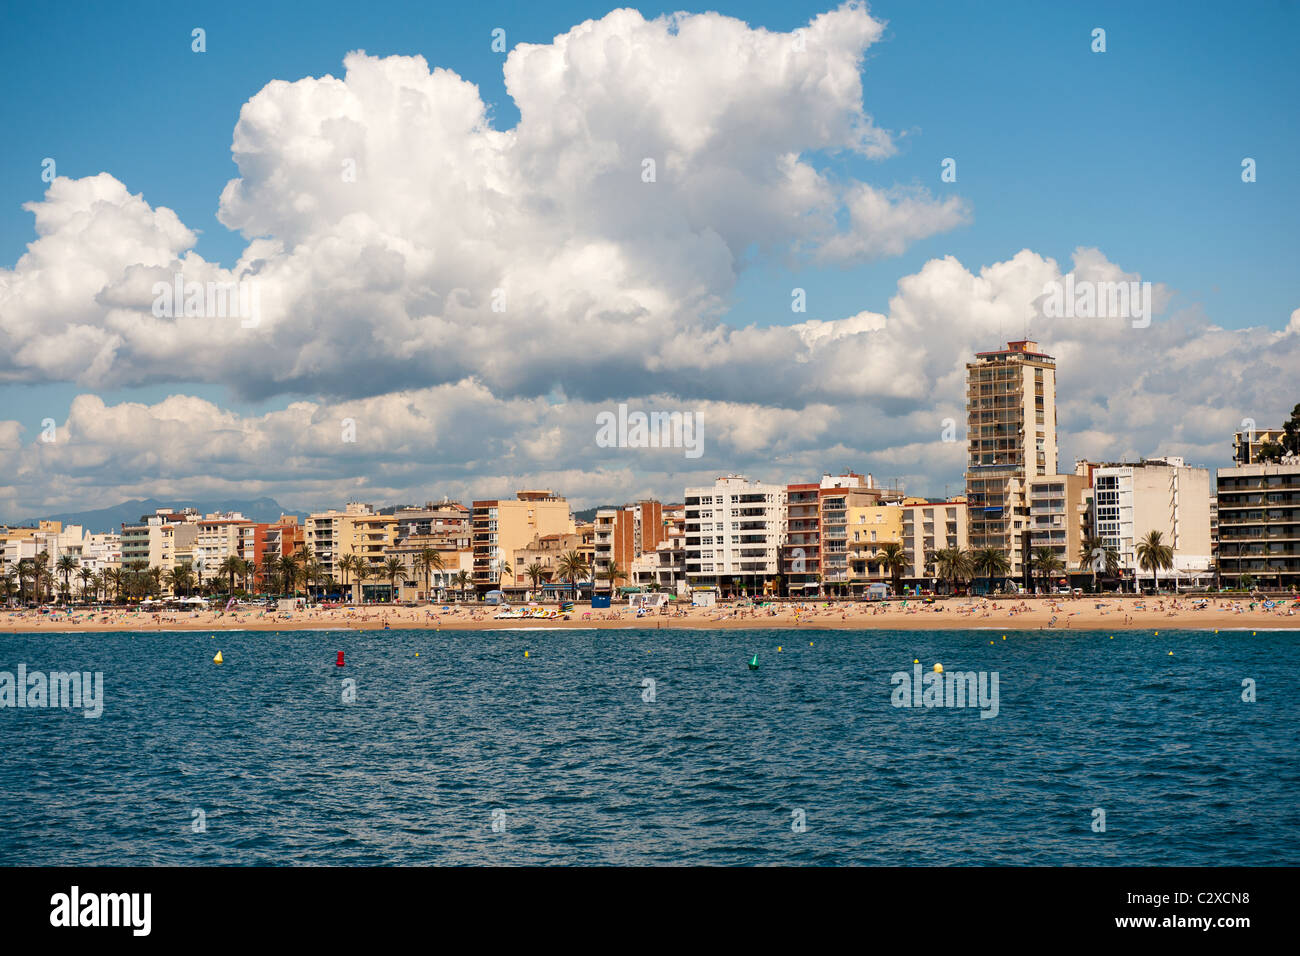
{"x":1011,"y":437}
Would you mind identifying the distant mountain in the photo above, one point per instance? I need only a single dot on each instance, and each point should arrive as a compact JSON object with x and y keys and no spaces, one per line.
{"x":589,"y":515}
{"x":129,"y":512}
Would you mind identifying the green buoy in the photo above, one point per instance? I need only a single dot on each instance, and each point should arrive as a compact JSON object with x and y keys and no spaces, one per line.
{"x":753,"y":663}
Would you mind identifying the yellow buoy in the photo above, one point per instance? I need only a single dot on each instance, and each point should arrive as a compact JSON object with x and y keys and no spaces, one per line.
{"x":218,"y":659}
{"x":417,"y":653}
{"x":1157,"y":633}
{"x":1004,"y":637}
{"x":525,"y":653}
{"x":938,"y":668}
{"x":778,"y":647}
{"x":915,"y":661}
{"x":1171,"y":653}
{"x":810,"y":644}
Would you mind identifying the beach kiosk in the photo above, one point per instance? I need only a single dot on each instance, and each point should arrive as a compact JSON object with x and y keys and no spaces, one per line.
{"x":704,"y":597}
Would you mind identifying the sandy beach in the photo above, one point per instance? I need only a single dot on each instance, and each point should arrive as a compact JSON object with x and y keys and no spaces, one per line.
{"x":1078,"y":613}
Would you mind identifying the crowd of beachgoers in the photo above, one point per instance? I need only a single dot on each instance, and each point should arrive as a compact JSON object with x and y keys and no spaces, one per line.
{"x":1087,"y":612}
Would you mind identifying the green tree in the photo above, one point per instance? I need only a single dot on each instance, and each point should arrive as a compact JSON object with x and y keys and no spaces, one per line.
{"x":1291,"y":432}
{"x":952,"y":566}
{"x":428,"y":560}
{"x":990,"y":562}
{"x":67,"y":566}
{"x":893,"y":557}
{"x":393,"y":568}
{"x":613,"y":574}
{"x":361,"y":571}
{"x":1155,"y":556}
{"x":1097,"y":556}
{"x":1047,"y":564}
{"x":572,"y":567}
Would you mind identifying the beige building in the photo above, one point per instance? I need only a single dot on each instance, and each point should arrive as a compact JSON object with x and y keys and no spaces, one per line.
{"x":1011,"y":437}
{"x":546,"y":550}
{"x":411,"y":587}
{"x":503,"y":526}
{"x":1059,"y":516}
{"x":930,"y":526}
{"x":356,"y":530}
{"x":870,"y":526}
{"x":1163,"y":494}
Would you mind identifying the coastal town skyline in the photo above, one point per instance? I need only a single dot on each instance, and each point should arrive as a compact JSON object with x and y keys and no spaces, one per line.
{"x":802,"y":267}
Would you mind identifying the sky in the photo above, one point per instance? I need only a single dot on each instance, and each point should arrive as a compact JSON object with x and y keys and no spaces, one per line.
{"x":460,"y":265}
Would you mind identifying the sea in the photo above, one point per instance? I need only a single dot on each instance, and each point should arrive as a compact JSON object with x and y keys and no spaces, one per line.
{"x":657,"y":747}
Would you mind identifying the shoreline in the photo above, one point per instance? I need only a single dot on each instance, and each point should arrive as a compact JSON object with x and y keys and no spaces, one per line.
{"x":1021,"y":614}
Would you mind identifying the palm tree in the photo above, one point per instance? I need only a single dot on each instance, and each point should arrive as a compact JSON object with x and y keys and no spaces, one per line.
{"x":180,"y":579}
{"x":952,"y":565}
{"x":991,"y":562}
{"x":67,"y":566}
{"x":86,"y":575}
{"x":42,"y":573}
{"x":1155,"y":556}
{"x":462,"y":580}
{"x":312,"y":570}
{"x":153,"y":580}
{"x":613,"y":574}
{"x":502,"y":570}
{"x":7,"y":581}
{"x":894,"y":557}
{"x":536,"y":574}
{"x":428,"y":560}
{"x":393,"y":568}
{"x":232,"y":567}
{"x":1094,"y":554}
{"x":290,"y":572}
{"x":113,"y":578}
{"x":360,"y":571}
{"x":1046,"y":563}
{"x":269,"y":571}
{"x":572,"y":567}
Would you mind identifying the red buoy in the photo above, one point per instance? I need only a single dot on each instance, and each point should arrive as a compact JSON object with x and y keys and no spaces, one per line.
{"x":339,"y":662}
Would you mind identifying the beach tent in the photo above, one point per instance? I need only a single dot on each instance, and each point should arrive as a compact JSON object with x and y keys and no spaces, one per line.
{"x":495,"y":597}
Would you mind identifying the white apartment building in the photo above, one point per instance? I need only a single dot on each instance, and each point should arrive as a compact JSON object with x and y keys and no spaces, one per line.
{"x":1162,"y":494}
{"x":735,"y":529}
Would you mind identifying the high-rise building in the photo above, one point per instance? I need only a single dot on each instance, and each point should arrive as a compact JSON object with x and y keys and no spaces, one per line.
{"x":735,"y":530}
{"x":1011,"y":437}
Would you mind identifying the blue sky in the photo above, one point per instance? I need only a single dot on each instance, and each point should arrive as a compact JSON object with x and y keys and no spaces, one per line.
{"x":1136,"y":151}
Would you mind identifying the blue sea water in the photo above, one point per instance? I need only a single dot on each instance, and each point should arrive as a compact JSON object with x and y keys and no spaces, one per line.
{"x":562,"y":753}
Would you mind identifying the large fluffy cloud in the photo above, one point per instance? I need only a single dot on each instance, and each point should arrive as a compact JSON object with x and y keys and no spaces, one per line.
{"x":1180,"y":386}
{"x":398,"y":240}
